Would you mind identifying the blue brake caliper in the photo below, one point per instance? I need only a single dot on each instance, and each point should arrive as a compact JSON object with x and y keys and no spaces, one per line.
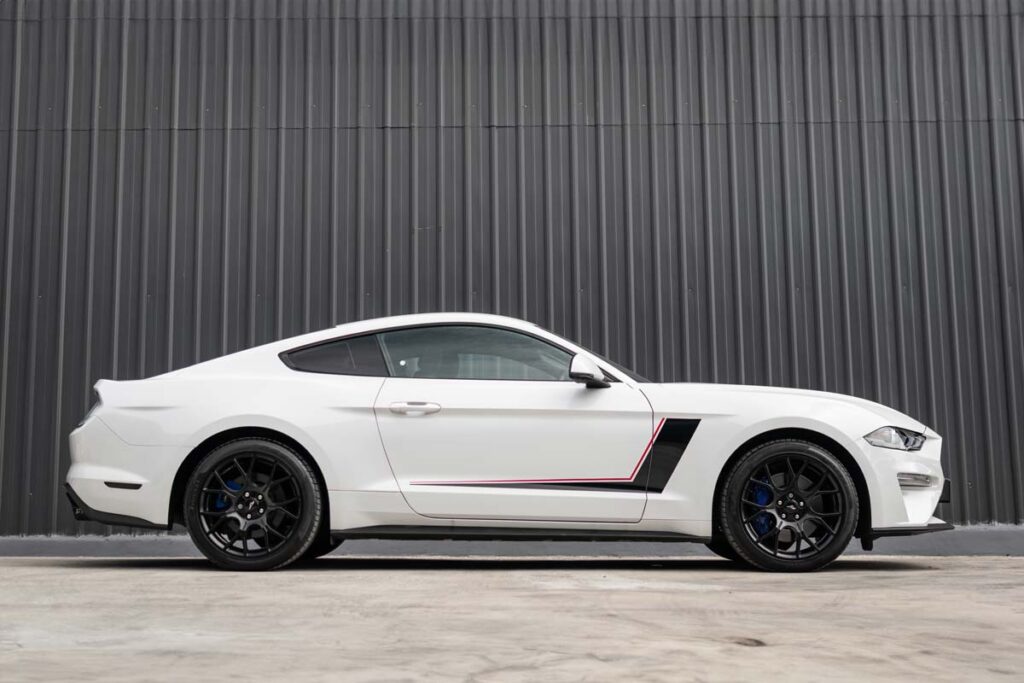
{"x":222,"y":502}
{"x":762,"y":495}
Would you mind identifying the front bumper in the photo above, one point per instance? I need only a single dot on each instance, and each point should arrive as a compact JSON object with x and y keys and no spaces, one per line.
{"x":84,"y":513}
{"x":867,"y":541}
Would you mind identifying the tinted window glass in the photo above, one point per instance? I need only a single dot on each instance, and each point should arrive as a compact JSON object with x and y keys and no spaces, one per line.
{"x":468,"y":352}
{"x":354,"y":356}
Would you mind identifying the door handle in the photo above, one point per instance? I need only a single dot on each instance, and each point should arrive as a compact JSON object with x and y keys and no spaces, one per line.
{"x":414,"y":408}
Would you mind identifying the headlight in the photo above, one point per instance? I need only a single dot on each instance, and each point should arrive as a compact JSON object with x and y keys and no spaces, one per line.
{"x":895,"y":438}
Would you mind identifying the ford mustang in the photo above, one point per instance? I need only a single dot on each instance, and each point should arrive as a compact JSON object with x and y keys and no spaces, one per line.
{"x":470,"y":426}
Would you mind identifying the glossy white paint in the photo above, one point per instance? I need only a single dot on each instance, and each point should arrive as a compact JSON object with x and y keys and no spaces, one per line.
{"x":389,"y":448}
{"x":501,"y":432}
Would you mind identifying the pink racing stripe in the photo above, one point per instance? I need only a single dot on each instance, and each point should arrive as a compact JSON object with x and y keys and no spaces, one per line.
{"x":636,"y":468}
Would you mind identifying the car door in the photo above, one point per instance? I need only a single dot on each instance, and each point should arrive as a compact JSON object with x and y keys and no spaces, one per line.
{"x":484,"y":422}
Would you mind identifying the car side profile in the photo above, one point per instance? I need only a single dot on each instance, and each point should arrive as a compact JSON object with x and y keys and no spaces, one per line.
{"x":460,"y":425}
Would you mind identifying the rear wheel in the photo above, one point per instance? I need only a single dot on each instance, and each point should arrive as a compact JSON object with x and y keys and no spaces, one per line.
{"x":253,"y":504}
{"x":788,"y":506}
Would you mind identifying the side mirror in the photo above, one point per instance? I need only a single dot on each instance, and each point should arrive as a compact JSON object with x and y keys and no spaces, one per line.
{"x":586,"y":371}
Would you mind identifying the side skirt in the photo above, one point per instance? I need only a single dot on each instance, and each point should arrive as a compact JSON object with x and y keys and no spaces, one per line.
{"x":484,"y":533}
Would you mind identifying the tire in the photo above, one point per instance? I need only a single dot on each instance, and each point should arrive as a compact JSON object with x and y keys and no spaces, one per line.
{"x":253,"y":504}
{"x":788,"y":506}
{"x":719,"y":546}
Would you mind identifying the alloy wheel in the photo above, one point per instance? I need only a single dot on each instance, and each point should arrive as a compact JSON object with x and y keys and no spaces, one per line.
{"x":793,"y":507}
{"x":250,"y":505}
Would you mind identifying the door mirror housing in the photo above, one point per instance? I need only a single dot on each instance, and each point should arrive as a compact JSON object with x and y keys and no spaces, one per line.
{"x":586,"y":371}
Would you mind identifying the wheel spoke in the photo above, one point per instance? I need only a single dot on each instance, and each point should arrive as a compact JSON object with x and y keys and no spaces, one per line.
{"x":216,"y":525}
{"x":815,"y":490}
{"x":224,"y":484}
{"x":768,"y":481}
{"x":275,"y":482}
{"x":751,"y":516}
{"x":825,"y":524}
{"x":235,"y":535}
{"x":799,"y":473}
{"x":238,"y":466}
{"x":268,"y":544}
{"x":224,"y":491}
{"x":768,"y":533}
{"x":817,"y":548}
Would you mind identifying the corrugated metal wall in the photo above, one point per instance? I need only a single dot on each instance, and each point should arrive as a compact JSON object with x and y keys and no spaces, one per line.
{"x":816,"y":194}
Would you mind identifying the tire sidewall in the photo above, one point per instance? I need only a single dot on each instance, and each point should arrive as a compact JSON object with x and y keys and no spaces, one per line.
{"x":309,"y":519}
{"x":731,"y":517}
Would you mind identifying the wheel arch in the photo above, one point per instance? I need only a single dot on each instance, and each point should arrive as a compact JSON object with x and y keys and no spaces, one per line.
{"x":817,"y":438}
{"x":208,"y":445}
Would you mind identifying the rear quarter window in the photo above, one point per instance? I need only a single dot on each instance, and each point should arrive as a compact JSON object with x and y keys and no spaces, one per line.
{"x":352,"y":356}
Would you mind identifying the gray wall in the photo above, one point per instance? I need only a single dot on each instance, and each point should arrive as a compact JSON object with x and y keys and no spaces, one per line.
{"x":817,"y":194}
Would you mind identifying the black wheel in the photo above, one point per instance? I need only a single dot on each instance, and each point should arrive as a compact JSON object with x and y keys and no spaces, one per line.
{"x":323,"y":545}
{"x":253,"y":504}
{"x":788,"y":506}
{"x":719,"y":546}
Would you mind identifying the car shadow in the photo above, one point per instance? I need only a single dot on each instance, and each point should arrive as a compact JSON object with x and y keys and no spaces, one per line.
{"x":346,"y":563}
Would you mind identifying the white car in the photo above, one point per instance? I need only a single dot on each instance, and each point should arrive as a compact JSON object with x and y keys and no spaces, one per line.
{"x":459,"y":425}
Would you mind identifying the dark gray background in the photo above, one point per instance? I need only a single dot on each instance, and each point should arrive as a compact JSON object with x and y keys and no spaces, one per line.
{"x":815,"y":194}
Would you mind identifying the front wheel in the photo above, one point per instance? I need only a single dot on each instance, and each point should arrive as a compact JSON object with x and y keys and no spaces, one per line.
{"x":788,"y":506}
{"x":253,"y":504}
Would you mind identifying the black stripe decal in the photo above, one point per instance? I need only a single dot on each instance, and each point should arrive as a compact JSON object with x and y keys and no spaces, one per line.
{"x":667,"y":452}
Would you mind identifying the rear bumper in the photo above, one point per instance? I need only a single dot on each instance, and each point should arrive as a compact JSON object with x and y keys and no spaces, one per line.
{"x":84,"y":513}
{"x":114,"y":478}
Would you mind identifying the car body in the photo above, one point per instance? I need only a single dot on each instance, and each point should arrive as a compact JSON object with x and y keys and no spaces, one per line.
{"x":403,"y":451}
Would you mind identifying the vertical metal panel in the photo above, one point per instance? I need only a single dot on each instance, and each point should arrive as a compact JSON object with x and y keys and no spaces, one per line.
{"x":818,"y":194}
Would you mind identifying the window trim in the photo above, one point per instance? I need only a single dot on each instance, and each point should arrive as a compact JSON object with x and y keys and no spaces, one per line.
{"x":387,"y":361}
{"x":388,"y":364}
{"x":283,"y":356}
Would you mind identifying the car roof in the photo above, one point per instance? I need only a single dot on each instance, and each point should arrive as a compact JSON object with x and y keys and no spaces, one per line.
{"x":254,"y":356}
{"x":374,"y":324}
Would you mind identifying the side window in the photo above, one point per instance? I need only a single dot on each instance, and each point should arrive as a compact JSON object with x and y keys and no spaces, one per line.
{"x":353,"y":356}
{"x":470,"y":352}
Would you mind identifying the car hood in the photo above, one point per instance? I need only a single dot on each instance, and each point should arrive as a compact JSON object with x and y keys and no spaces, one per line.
{"x":670,"y":397}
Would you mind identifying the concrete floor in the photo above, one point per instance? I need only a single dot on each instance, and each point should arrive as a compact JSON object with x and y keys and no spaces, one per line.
{"x":550,"y":618}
